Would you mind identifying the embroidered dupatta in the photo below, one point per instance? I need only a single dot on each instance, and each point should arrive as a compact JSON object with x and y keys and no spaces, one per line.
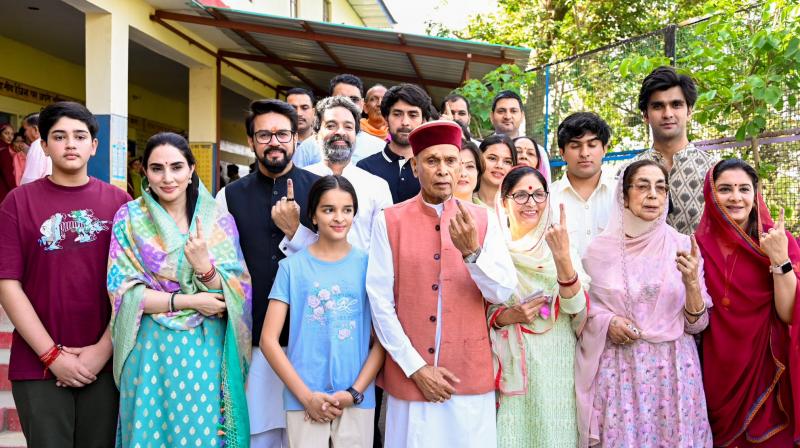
{"x":746,"y":348}
{"x":146,"y":251}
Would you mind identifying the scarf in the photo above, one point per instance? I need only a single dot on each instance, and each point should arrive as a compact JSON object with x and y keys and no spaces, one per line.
{"x":536,"y":271}
{"x":378,"y":128}
{"x":634,"y":277}
{"x":147,"y":252}
{"x":746,"y":348}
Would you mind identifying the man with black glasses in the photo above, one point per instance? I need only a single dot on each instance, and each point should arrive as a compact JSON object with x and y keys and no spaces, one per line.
{"x":267,"y":205}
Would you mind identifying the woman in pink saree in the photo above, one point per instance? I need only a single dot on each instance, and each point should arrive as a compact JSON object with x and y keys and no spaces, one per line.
{"x":637,"y":372}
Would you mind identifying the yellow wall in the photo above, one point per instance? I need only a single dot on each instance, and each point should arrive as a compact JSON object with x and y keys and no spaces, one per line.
{"x":233,"y":131}
{"x":342,"y":12}
{"x":30,"y":66}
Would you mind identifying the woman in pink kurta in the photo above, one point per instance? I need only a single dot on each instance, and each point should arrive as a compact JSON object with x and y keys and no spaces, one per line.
{"x":638,"y":379}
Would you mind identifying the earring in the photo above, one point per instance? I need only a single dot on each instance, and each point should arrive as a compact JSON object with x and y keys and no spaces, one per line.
{"x":190,"y":181}
{"x":147,"y":189}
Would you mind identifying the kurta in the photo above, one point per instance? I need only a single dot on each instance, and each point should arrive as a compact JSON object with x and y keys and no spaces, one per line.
{"x":464,"y":420}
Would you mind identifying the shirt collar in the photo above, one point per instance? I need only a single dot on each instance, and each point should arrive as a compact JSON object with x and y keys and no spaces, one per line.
{"x":390,"y":156}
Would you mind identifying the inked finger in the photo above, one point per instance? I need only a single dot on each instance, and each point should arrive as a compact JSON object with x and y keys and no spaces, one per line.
{"x":290,"y":189}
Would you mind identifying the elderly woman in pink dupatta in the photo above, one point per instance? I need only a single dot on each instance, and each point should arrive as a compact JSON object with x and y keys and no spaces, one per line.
{"x":637,"y":372}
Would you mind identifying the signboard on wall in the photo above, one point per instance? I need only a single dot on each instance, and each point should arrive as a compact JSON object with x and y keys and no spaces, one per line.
{"x":31,"y":94}
{"x":118,"y":149}
{"x":206,"y":164}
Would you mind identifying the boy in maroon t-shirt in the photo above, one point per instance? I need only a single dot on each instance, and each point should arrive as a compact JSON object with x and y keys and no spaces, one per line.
{"x":54,"y":238}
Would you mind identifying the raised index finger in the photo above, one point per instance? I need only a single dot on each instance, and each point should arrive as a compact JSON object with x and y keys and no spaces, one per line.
{"x":695,"y":249}
{"x":198,"y":228}
{"x":465,"y":216}
{"x":781,"y":220}
{"x":563,"y":217}
{"x":289,"y":189}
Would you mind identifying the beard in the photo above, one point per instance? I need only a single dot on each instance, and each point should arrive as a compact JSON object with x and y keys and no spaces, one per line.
{"x":400,"y":140}
{"x":274,"y":166}
{"x":334,"y":154}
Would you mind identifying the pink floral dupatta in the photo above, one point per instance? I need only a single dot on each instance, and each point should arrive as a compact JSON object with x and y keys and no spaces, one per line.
{"x":635,"y":278}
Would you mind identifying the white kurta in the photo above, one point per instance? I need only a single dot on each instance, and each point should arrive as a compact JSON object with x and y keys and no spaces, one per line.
{"x":37,"y":164}
{"x":585,"y":219}
{"x":464,"y":420}
{"x":373,"y":195}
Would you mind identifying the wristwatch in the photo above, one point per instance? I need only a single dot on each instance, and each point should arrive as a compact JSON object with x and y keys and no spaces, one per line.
{"x":783,"y":268}
{"x":473,"y":257}
{"x":358,"y":397}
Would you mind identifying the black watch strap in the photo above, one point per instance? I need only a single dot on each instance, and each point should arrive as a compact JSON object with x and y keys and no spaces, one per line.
{"x":358,"y":397}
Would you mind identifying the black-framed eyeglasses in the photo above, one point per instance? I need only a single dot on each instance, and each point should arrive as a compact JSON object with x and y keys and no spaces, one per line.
{"x":522,"y":197}
{"x":283,"y":136}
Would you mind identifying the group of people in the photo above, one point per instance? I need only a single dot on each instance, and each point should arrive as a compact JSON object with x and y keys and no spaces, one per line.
{"x":21,"y":157}
{"x":382,"y":278}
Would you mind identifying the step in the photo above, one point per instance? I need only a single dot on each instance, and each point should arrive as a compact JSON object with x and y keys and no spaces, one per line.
{"x":5,"y":338}
{"x":12,"y":439}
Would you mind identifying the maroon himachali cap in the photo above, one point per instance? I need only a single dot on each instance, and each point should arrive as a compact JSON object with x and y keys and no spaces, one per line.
{"x":435,"y":133}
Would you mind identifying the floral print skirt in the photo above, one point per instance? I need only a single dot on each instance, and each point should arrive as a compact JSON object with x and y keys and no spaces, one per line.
{"x":650,"y":395}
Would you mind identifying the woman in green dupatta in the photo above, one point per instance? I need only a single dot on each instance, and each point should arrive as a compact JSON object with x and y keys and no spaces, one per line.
{"x":181,"y":310}
{"x":534,"y":333}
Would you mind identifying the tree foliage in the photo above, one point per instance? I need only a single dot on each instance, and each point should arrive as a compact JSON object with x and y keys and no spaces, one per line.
{"x":556,"y":29}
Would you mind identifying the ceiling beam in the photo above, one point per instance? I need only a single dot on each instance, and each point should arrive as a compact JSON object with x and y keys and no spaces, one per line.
{"x":326,"y":49}
{"x":331,"y":38}
{"x":212,"y":53}
{"x":413,"y":61}
{"x":334,"y":69}
{"x":250,"y":40}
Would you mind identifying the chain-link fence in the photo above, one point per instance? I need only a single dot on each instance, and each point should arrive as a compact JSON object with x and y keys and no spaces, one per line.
{"x":593,"y":82}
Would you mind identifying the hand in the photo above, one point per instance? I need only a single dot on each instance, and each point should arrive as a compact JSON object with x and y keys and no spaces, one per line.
{"x":321,"y":408}
{"x":435,"y":383}
{"x":688,"y":264}
{"x":447,"y":114}
{"x":620,"y":330}
{"x":775,"y":243}
{"x":93,"y":357}
{"x":522,"y":313}
{"x":463,"y":232}
{"x":196,"y":251}
{"x":70,"y":371}
{"x":286,"y":213}
{"x":208,"y":303}
{"x":344,"y":398}
{"x":557,"y":237}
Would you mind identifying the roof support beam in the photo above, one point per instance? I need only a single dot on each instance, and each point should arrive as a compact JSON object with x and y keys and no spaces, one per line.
{"x":250,"y":40}
{"x":331,"y":38}
{"x":413,"y":61}
{"x":327,"y":49}
{"x":212,"y":53}
{"x":334,"y":69}
{"x":465,"y":73}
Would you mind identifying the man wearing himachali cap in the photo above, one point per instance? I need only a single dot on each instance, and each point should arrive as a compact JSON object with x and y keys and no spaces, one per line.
{"x":432,"y":261}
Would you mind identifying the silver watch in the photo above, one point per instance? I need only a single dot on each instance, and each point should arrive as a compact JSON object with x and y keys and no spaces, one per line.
{"x":473,"y":257}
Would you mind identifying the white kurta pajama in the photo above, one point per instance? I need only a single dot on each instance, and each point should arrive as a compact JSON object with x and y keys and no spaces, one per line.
{"x":464,"y":420}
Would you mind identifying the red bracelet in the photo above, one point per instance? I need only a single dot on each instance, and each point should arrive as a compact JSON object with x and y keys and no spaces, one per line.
{"x":208,"y":276}
{"x":569,"y":282}
{"x":49,"y":357}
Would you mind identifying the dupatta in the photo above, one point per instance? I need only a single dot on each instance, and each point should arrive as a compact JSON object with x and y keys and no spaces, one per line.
{"x":146,"y":251}
{"x":634,"y":277}
{"x":746,"y":348}
{"x":536,"y":270}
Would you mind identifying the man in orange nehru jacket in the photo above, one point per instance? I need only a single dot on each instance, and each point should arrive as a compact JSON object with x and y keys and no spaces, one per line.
{"x":432,"y":261}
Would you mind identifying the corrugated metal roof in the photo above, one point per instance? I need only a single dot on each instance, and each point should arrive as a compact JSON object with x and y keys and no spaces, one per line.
{"x":373,"y":13}
{"x":316,"y":51}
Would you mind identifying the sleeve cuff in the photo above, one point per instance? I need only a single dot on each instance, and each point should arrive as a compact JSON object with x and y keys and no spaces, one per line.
{"x":303,"y":238}
{"x":574,"y":304}
{"x":410,"y":362}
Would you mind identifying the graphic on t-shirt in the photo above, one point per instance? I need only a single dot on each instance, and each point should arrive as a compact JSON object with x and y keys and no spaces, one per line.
{"x":332,"y":308}
{"x":82,"y":223}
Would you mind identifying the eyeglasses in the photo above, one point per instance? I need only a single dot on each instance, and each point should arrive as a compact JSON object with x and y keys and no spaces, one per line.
{"x":522,"y":197}
{"x":283,"y":136}
{"x":661,"y":189}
